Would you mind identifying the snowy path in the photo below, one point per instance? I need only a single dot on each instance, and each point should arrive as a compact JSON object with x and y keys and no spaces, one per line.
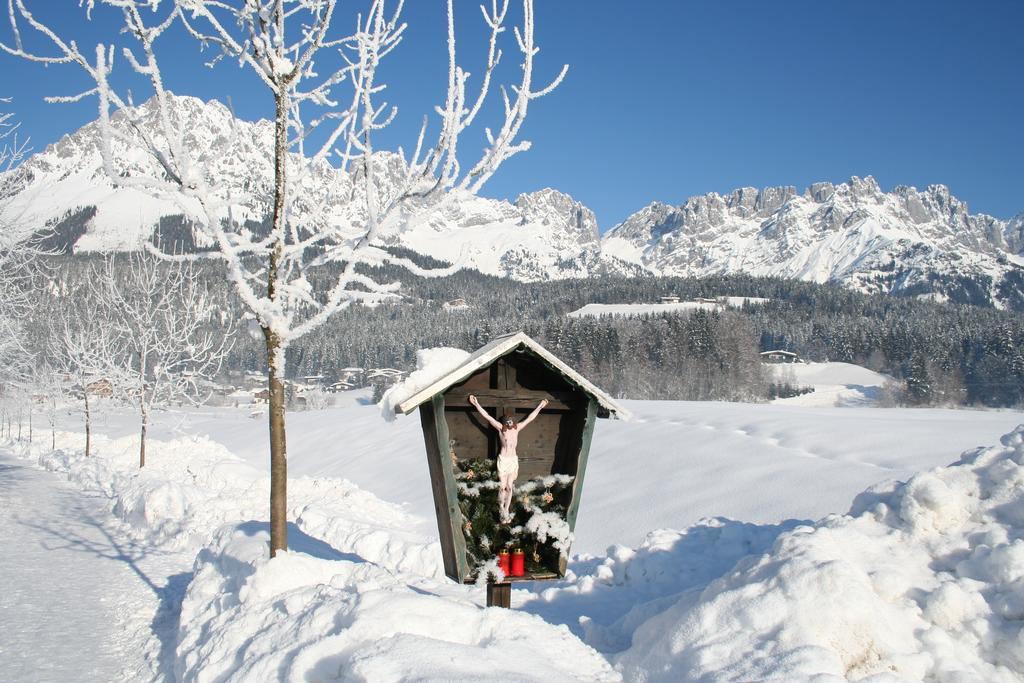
{"x":79,"y":601}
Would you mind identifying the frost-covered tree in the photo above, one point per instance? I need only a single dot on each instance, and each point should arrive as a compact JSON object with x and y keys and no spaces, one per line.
{"x":156,"y":344}
{"x":50,"y":389}
{"x":326,"y":85}
{"x":17,"y":253}
{"x":74,"y":337}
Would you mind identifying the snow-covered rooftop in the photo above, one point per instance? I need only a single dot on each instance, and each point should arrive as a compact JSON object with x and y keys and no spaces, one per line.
{"x":497,"y":348}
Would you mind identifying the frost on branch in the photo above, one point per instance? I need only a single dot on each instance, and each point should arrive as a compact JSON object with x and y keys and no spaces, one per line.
{"x":550,"y":527}
{"x":327,"y":87}
{"x":17,"y":252}
{"x":145,"y":332}
{"x":310,"y":261}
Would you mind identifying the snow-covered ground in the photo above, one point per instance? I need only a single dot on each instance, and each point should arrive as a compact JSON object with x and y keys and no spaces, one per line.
{"x":68,"y":568}
{"x":697,"y":557}
{"x":835,"y":384}
{"x":696,"y":459}
{"x":633,"y":310}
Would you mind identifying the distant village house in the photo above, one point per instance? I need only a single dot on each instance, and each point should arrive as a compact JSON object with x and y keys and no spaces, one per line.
{"x":101,"y":387}
{"x":455,"y":305}
{"x":779,"y":356}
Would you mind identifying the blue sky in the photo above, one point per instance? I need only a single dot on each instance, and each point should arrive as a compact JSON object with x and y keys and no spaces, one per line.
{"x":669,"y":99}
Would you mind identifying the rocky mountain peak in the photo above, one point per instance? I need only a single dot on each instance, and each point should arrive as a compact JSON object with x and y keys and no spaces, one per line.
{"x":750,"y":201}
{"x":561,"y":212}
{"x":866,"y":187}
{"x":921,"y":241}
{"x":1013,"y":234}
{"x":820,"y":192}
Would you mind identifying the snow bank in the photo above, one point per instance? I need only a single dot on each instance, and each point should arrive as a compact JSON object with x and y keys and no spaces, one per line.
{"x":431,"y":365}
{"x":177,"y":498}
{"x":831,"y":374}
{"x":192,"y":486}
{"x":360,"y":593}
{"x":922,"y":580}
{"x":328,"y":617}
{"x":609,"y":597}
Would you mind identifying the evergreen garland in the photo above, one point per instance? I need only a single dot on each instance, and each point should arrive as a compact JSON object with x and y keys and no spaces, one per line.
{"x":538,"y":527}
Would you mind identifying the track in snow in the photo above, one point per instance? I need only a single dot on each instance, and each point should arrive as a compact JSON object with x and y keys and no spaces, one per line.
{"x":79,"y":600}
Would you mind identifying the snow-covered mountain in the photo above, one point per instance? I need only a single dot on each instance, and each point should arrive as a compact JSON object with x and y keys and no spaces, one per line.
{"x":541,"y":235}
{"x":904,"y":241}
{"x":67,"y":182}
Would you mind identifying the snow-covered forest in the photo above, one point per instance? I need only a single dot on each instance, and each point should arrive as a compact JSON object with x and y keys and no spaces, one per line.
{"x":939,"y":354}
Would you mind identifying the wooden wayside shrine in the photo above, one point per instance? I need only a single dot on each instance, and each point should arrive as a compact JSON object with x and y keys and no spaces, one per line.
{"x":508,"y":376}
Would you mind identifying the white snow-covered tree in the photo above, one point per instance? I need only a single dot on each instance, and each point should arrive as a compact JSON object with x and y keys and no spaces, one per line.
{"x":73,"y":340}
{"x":326,"y":85}
{"x":15,"y":409}
{"x":155,"y":344}
{"x":50,"y":390}
{"x":17,"y":253}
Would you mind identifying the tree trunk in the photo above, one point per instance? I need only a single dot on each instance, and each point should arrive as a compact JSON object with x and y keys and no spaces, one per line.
{"x":88,"y":425}
{"x":275,"y":349}
{"x":278,"y":451}
{"x":142,"y":439}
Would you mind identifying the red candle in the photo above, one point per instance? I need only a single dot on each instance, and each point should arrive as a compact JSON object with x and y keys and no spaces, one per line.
{"x":503,"y":563}
{"x":518,"y":563}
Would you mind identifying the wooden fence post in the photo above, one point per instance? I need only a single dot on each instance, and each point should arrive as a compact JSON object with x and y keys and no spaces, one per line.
{"x":499,"y":594}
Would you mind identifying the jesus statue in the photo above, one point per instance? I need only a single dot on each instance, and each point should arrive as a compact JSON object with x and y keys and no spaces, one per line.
{"x":508,"y":460}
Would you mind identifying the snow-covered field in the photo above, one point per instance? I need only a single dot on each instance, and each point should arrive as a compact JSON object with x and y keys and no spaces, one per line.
{"x":633,"y":310}
{"x":682,"y":460}
{"x":698,"y":557}
{"x":835,"y":384}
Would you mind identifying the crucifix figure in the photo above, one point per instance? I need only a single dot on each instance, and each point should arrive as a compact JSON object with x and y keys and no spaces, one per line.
{"x":508,"y":460}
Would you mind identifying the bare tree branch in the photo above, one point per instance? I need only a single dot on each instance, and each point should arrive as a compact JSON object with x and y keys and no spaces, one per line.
{"x":320,"y":77}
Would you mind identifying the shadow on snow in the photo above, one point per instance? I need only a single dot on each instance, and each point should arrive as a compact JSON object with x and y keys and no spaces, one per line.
{"x":604,"y":599}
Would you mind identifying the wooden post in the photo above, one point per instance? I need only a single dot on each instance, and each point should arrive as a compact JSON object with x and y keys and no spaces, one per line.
{"x":442,"y":481}
{"x":581,"y":463}
{"x":499,"y":594}
{"x":501,"y":383}
{"x":581,"y":470}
